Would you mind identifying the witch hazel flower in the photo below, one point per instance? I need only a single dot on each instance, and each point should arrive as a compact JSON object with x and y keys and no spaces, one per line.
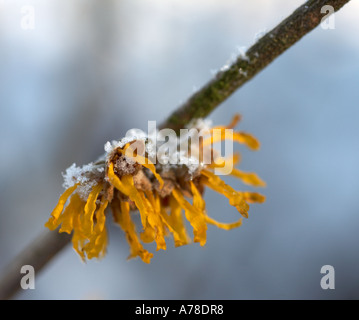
{"x":163,"y":179}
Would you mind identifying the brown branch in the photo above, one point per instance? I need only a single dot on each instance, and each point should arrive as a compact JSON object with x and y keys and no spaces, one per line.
{"x":263,"y":52}
{"x":257,"y":57}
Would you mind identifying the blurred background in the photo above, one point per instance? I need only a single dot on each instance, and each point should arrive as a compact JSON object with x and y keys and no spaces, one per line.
{"x":90,"y":70}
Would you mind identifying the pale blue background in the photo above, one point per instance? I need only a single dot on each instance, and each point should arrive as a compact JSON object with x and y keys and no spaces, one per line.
{"x":91,"y":70}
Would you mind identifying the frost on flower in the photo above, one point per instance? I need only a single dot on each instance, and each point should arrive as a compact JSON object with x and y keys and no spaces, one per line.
{"x":85,"y":177}
{"x":165,"y":193}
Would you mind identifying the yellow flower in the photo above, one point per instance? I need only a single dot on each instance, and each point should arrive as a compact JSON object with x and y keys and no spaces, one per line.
{"x":127,"y":181}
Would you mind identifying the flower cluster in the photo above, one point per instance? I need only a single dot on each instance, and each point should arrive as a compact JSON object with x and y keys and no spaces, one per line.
{"x":125,"y":181}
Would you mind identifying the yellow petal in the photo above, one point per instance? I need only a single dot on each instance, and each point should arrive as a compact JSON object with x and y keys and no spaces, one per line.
{"x":252,"y":197}
{"x":180,"y":236}
{"x":198,"y":201}
{"x":235,"y":198}
{"x":236,"y":158}
{"x":241,"y":137}
{"x":194,"y":216}
{"x":250,"y":141}
{"x":176,"y":223}
{"x":148,"y":235}
{"x":100,"y":216}
{"x":225,"y":162}
{"x":96,"y":247}
{"x":53,"y":223}
{"x":75,"y":208}
{"x":154,"y":219}
{"x":101,"y":244}
{"x":249,"y":178}
{"x":126,"y":186}
{"x":200,"y":205}
{"x":116,"y":182}
{"x":122,"y":217}
{"x":90,"y":207}
{"x":137,"y":198}
{"x":225,"y":226}
{"x":78,"y":240}
{"x":236,"y":118}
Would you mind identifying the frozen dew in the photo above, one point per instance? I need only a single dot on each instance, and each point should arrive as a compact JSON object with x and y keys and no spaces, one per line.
{"x":242,"y":53}
{"x":259,"y":34}
{"x":86,"y":176}
{"x":225,"y":67}
{"x":242,"y":72}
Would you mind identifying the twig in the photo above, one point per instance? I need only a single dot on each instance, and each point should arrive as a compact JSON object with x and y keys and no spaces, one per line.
{"x":257,"y":57}
{"x":263,"y":52}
